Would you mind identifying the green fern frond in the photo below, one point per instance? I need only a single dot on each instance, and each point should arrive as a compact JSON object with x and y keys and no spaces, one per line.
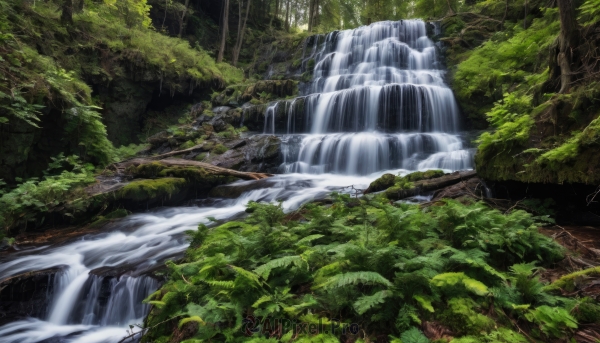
{"x":282,"y":262}
{"x":367,"y":302}
{"x":354,"y":278}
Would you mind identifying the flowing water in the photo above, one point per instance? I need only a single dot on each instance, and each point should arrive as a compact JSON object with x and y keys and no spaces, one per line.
{"x":377,"y":103}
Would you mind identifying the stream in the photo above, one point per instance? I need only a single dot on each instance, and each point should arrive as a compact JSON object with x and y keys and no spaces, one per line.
{"x":377,"y":103}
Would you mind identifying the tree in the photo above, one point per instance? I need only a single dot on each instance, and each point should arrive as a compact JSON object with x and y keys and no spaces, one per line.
{"x":225,"y":28}
{"x":287,"y":16}
{"x":568,"y":43}
{"x":241,"y":30}
{"x":66,"y":16}
{"x":182,"y":17}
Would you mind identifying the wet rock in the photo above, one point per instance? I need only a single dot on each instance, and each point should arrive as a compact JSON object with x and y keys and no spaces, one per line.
{"x":253,"y":116}
{"x":259,"y":153}
{"x":235,"y":190}
{"x":201,"y":120}
{"x":197,"y":109}
{"x":159,"y":138}
{"x":25,"y":295}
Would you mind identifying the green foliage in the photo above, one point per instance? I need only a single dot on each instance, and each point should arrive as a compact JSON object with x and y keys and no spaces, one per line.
{"x":552,"y":321}
{"x":59,"y":187}
{"x":590,"y":12}
{"x":384,"y":266}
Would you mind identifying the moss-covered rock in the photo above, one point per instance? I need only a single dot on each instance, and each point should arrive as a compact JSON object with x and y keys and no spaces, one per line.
{"x":144,"y":190}
{"x":384,"y":182}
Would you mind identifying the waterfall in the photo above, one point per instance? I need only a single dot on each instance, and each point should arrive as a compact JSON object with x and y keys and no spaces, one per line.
{"x":377,"y":101}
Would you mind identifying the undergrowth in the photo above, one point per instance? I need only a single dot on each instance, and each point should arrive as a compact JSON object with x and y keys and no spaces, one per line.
{"x":386,"y":268}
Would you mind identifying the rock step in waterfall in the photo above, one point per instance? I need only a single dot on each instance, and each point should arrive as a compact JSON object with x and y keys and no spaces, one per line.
{"x":377,"y":101}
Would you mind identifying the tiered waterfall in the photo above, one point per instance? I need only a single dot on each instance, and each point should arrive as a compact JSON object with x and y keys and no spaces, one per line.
{"x":377,"y":101}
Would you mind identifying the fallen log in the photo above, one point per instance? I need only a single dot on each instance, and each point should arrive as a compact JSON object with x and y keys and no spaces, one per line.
{"x":176,"y":152}
{"x":215,"y":170}
{"x":424,"y":186}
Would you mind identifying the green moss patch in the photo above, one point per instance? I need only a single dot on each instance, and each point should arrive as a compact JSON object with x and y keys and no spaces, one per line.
{"x":143,"y":190}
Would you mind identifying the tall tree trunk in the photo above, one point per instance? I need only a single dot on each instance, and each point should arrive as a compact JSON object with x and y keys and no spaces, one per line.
{"x":182,"y":19}
{"x":316,"y":14}
{"x":287,"y":16}
{"x":224,"y":31}
{"x":568,"y":57}
{"x":78,"y":7}
{"x":240,"y":38}
{"x":310,"y":15}
{"x":525,"y":17}
{"x":505,"y":15}
{"x":450,"y":10}
{"x":66,"y":17}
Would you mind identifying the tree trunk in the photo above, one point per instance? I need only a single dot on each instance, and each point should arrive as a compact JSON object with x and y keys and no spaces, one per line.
{"x":287,"y":16}
{"x":187,"y":163}
{"x":66,"y":17}
{"x":525,"y":17}
{"x":240,"y":38}
{"x":450,"y":8}
{"x":505,"y":15}
{"x":79,"y":6}
{"x":310,"y":15}
{"x":567,"y":58}
{"x":224,"y":31}
{"x":182,"y":19}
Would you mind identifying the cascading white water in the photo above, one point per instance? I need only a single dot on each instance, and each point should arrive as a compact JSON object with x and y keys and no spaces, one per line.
{"x":377,"y":103}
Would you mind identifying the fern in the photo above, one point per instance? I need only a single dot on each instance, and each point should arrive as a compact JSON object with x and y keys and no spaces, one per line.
{"x":282,"y":262}
{"x":367,"y":302}
{"x":413,"y":335}
{"x":354,"y":278}
{"x":452,"y":279}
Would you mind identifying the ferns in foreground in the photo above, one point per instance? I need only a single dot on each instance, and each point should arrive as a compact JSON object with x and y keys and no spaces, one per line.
{"x":468,"y":267}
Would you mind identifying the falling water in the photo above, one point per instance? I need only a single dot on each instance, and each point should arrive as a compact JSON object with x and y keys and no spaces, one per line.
{"x":377,"y":103}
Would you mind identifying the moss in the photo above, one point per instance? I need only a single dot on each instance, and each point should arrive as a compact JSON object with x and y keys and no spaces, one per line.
{"x":426,"y":175}
{"x":192,"y":174}
{"x":200,"y":157}
{"x":146,"y":170}
{"x":569,"y":282}
{"x":187,"y":145}
{"x":143,"y":190}
{"x":219,"y":149}
{"x":384,"y":182}
{"x":588,"y":311}
{"x":310,"y":65}
{"x":116,"y":214}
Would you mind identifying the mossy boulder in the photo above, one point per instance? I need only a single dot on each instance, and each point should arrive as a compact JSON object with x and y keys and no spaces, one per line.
{"x":397,"y":183}
{"x":384,"y":182}
{"x":144,"y":190}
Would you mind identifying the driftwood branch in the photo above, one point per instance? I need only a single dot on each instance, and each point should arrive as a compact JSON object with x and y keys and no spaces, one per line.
{"x":176,"y":152}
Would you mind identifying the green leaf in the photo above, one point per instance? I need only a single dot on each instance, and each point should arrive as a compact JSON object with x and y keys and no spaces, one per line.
{"x":367,"y":302}
{"x":424,"y":302}
{"x":354,"y":278}
{"x":452,"y":279}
